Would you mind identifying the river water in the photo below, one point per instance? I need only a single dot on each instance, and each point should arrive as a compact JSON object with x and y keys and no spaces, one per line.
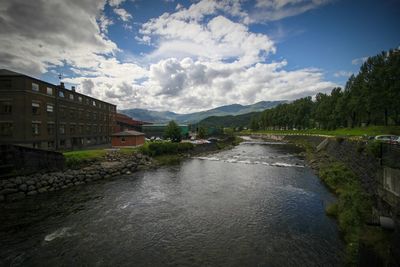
{"x":254,"y":205}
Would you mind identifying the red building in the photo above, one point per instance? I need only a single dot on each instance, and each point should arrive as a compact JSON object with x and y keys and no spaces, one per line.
{"x":124,"y":123}
{"x":127,"y":138}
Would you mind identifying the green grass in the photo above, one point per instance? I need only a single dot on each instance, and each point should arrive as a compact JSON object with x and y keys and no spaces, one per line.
{"x":369,"y":131}
{"x":352,"y":210}
{"x":75,"y":158}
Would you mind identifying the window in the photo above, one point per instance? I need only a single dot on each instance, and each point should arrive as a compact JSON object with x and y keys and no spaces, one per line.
{"x":50,"y":108}
{"x":50,"y":144}
{"x":122,"y":139}
{"x":63,"y":112}
{"x":80,"y":99}
{"x":6,"y":129}
{"x":72,"y":129}
{"x":88,"y":129}
{"x":50,"y":128}
{"x":62,"y":143}
{"x":62,"y":129}
{"x":61,"y":94}
{"x":5,"y":84}
{"x":81,"y":129}
{"x":94,"y":116}
{"x":94,"y":103}
{"x":35,"y":108}
{"x":71,"y":96}
{"x":35,"y":87}
{"x":36,"y":145}
{"x":49,"y":91}
{"x":35,"y":128}
{"x":5,"y":107}
{"x":71,"y":113}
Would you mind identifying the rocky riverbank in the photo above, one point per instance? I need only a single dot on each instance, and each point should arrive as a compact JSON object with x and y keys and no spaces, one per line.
{"x":114,"y":164}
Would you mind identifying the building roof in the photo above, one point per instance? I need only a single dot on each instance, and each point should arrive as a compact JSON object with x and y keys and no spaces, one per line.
{"x":5,"y":72}
{"x":128,"y":133}
{"x":122,"y":118}
{"x":164,"y":125}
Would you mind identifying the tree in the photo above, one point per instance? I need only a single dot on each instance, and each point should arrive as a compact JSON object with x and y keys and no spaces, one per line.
{"x":173,"y":132}
{"x":254,"y":124}
{"x":202,"y":132}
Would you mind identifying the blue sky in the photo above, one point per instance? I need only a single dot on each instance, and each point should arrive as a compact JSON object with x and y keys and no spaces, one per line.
{"x":188,"y":56}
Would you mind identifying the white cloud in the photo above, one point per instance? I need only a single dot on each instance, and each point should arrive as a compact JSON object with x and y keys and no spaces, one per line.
{"x":359,"y":61}
{"x":218,"y":39}
{"x":271,"y":10}
{"x":343,"y":73}
{"x":123,"y":14}
{"x":203,"y":56}
{"x":38,"y":35}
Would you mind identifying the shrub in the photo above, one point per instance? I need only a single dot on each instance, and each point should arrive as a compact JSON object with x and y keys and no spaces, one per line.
{"x":163,"y":148}
{"x":374,"y":149}
{"x":339,"y":139}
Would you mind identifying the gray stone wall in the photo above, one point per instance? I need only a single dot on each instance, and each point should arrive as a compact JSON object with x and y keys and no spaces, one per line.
{"x":20,"y":159}
{"x":19,"y":187}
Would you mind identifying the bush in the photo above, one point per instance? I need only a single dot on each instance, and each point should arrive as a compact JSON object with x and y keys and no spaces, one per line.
{"x":163,"y":148}
{"x":352,"y":209}
{"x":339,"y":139}
{"x":374,"y":149}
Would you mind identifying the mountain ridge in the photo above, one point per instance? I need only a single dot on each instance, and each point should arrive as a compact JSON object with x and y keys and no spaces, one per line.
{"x":165,"y":116}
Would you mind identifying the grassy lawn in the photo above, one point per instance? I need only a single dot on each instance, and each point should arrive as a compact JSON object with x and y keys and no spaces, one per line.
{"x":369,"y":131}
{"x":76,"y":157}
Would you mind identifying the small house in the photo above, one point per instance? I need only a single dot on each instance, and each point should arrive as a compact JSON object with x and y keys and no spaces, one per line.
{"x":127,"y":138}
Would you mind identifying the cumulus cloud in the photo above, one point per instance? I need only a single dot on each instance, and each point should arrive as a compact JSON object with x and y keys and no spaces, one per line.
{"x":36,"y":35}
{"x":183,"y":34}
{"x":201,"y":56}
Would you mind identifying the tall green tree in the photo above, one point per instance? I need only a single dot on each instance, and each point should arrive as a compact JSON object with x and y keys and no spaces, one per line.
{"x":202,"y":132}
{"x":173,"y":132}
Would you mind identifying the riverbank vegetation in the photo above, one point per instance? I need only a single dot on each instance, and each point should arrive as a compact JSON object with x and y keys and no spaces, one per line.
{"x":79,"y":157}
{"x":353,"y":211}
{"x":349,"y":132}
{"x":369,"y":98}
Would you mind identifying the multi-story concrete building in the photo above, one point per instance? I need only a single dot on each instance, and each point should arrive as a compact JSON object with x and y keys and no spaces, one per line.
{"x":38,"y":114}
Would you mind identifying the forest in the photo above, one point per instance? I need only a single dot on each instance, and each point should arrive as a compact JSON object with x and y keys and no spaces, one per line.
{"x":372,"y":97}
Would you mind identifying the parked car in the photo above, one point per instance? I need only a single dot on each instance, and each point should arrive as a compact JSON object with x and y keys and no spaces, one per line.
{"x":385,"y":138}
{"x":396,"y":140}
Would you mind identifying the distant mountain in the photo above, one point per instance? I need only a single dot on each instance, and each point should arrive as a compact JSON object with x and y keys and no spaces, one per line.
{"x":242,"y":120}
{"x":165,"y":116}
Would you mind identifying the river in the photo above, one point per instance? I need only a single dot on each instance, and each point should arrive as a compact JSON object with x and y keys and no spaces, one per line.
{"x":254,"y":205}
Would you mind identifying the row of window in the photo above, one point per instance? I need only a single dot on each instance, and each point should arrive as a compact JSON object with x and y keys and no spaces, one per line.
{"x":73,"y":129}
{"x":78,"y":142}
{"x":6,"y":129}
{"x":73,"y":113}
{"x":71,"y":96}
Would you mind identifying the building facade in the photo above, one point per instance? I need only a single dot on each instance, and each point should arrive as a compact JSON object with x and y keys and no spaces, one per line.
{"x":127,"y":138}
{"x":38,"y":114}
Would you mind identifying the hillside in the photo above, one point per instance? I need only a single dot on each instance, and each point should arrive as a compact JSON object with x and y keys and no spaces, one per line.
{"x":165,"y":116}
{"x":242,"y":120}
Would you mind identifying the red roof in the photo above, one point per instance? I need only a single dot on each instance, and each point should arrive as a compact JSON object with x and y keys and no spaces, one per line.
{"x":128,"y":120}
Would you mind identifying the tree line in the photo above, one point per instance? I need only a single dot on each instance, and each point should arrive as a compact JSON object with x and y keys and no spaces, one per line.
{"x":372,"y":97}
